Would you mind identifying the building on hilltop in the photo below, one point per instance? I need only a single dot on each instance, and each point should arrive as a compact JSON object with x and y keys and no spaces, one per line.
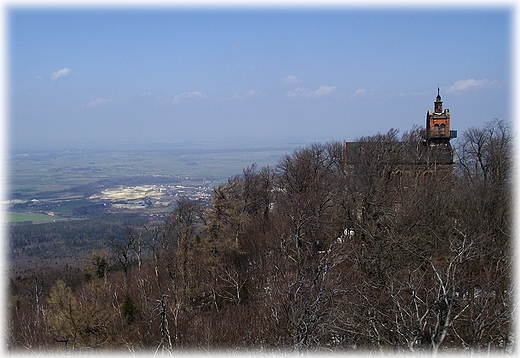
{"x":429,"y":154}
{"x":438,"y":124}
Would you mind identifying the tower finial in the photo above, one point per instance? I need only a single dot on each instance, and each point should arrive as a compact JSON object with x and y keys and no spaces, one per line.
{"x":438,"y":102}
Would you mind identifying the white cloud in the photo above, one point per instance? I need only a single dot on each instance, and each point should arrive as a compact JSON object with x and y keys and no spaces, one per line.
{"x":468,"y":84}
{"x":290,"y":80}
{"x":64,"y":72}
{"x":322,"y":91}
{"x":297,"y":92}
{"x":363,"y":92}
{"x":239,"y":96}
{"x":99,"y":102}
{"x":188,"y":95}
{"x":301,"y":92}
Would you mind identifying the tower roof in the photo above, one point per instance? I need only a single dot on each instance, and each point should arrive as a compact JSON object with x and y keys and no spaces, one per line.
{"x":438,"y":98}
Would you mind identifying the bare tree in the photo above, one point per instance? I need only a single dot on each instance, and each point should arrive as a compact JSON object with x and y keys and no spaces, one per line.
{"x":96,"y":265}
{"x":305,"y":281}
{"x":122,"y":251}
{"x":483,"y":202}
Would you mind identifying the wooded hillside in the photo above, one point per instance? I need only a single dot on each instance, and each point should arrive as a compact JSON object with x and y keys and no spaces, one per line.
{"x":302,"y":257}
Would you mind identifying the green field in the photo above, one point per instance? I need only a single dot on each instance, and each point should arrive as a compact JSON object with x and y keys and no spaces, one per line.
{"x":30,"y":217}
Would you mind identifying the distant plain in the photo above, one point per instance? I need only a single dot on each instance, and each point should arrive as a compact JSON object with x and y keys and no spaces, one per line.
{"x":65,"y":175}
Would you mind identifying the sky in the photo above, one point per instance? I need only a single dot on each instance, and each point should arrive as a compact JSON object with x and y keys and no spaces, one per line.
{"x":97,"y":76}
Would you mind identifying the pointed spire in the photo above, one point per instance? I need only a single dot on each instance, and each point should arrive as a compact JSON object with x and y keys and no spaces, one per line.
{"x":438,"y":102}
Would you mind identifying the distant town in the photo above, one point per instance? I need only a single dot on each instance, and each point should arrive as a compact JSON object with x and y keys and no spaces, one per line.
{"x":121,"y":198}
{"x":148,"y":196}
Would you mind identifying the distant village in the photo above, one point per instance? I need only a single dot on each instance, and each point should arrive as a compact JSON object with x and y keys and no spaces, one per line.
{"x":151,"y":196}
{"x":150,"y":199}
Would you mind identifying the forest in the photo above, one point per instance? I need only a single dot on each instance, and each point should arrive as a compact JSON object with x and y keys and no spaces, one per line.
{"x":306,"y":256}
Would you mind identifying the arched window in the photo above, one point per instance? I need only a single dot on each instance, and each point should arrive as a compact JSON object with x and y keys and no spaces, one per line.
{"x":443,"y":130}
{"x":436,"y":130}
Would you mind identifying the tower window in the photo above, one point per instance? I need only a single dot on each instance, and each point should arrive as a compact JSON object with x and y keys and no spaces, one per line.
{"x":436,"y":130}
{"x":443,"y":130}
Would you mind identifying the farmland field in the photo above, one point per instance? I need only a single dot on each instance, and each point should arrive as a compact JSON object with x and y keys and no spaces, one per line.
{"x":62,"y":181}
{"x":22,"y":217}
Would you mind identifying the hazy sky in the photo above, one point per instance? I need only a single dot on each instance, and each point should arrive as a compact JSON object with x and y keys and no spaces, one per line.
{"x":171,"y":74}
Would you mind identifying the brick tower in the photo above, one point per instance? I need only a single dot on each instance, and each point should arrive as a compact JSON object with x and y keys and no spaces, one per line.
{"x":438,"y":124}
